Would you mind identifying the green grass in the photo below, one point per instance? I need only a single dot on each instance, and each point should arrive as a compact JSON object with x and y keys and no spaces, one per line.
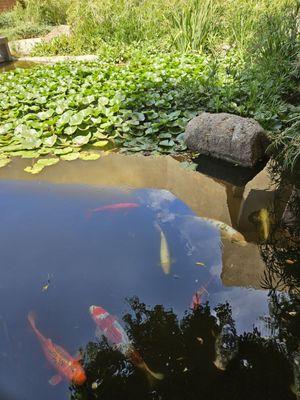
{"x":33,"y":18}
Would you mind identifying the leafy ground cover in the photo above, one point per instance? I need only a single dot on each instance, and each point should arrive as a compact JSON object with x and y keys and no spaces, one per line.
{"x":68,"y":110}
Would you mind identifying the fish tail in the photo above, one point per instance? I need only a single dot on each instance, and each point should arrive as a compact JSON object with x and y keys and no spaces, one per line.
{"x":32,"y":318}
{"x":151,"y":376}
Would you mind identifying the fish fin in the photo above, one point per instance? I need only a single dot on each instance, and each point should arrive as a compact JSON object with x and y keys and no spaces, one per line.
{"x":99,"y":333}
{"x":55,"y":380}
{"x":153,"y":377}
{"x":32,"y":318}
{"x":78,"y":356}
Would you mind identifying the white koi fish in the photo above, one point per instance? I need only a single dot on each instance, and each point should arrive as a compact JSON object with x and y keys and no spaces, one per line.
{"x":165,"y":260}
{"x":227,"y":231}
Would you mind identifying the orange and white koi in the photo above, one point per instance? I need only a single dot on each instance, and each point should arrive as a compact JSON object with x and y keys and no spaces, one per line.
{"x":67,"y":367}
{"x":108,"y":326}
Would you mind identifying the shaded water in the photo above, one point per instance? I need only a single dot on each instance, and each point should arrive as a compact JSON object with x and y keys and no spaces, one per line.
{"x":58,"y":258}
{"x":9,"y":66}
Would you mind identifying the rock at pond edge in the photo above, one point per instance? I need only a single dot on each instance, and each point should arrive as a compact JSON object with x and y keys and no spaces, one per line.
{"x":229,"y":137}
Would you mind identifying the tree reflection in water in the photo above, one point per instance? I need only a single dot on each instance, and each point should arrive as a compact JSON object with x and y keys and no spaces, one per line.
{"x":187,"y":349}
{"x":184,"y":350}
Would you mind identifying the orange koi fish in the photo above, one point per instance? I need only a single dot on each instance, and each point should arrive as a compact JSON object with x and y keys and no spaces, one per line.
{"x":68,"y":367}
{"x":113,"y":207}
{"x":108,"y":326}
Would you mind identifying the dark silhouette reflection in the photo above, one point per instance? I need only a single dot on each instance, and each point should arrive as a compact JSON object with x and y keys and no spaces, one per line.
{"x":200,"y":355}
{"x":281,"y":253}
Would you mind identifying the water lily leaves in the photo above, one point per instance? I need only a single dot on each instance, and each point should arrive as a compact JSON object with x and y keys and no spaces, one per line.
{"x":40,"y":165}
{"x":26,"y":154}
{"x":4,"y":161}
{"x":77,"y":119}
{"x":191,"y":166}
{"x":63,"y":151}
{"x":167,"y":143}
{"x":101,"y":143}
{"x":88,"y":156}
{"x":165,"y":136}
{"x":56,"y":110}
{"x":28,"y":138}
{"x":81,"y":140}
{"x":70,"y":156}
{"x":65,"y":118}
{"x":70,"y":130}
{"x":50,"y":141}
{"x":5,"y":128}
{"x":100,"y":135}
{"x":45,"y":115}
{"x":103,"y":101}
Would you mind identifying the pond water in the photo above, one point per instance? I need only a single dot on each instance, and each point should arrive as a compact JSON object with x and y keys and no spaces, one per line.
{"x":128,"y":234}
{"x":5,"y":67}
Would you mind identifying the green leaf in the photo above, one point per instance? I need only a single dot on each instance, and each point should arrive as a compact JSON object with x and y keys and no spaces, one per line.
{"x":76,"y":119}
{"x":50,"y":141}
{"x":70,"y":130}
{"x":66,"y":150}
{"x":70,"y":156}
{"x":45,"y":115}
{"x":101,"y":143}
{"x":4,"y":162}
{"x":167,"y":143}
{"x":65,"y":118}
{"x":88,"y":156}
{"x":26,"y":154}
{"x":81,"y":140}
{"x":40,"y":165}
{"x":189,"y":165}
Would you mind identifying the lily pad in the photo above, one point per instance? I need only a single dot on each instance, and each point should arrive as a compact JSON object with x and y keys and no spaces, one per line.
{"x":101,"y":143}
{"x":70,"y":156}
{"x":41,"y":164}
{"x":4,"y":162}
{"x":50,"y":141}
{"x":81,"y":140}
{"x":89,"y":156}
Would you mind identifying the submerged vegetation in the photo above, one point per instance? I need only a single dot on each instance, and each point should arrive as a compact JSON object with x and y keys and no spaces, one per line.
{"x":161,"y":63}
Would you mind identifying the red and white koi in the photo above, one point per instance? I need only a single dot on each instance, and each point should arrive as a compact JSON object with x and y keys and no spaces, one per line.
{"x":108,"y":326}
{"x":68,"y":368}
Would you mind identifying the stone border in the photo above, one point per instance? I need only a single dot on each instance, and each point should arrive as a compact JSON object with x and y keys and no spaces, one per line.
{"x":58,"y":59}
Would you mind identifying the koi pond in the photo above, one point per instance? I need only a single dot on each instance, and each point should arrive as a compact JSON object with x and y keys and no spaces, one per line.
{"x":133,"y":278}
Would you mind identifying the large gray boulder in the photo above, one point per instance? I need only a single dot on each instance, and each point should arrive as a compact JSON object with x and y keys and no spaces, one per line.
{"x":229,"y":137}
